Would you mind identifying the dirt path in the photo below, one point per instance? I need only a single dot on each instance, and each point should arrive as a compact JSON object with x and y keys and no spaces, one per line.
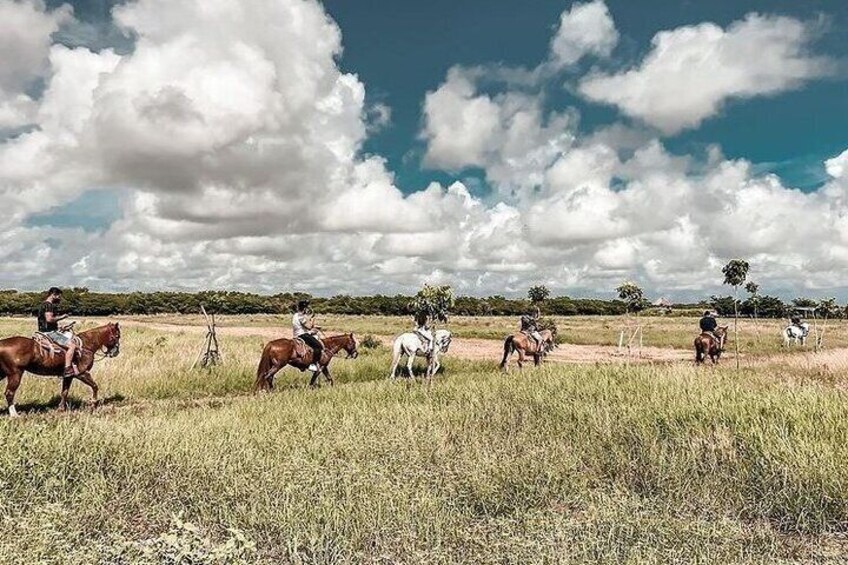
{"x":568,"y":353}
{"x":467,"y":348}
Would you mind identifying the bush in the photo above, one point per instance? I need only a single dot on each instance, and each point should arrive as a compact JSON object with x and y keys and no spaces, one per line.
{"x":370,"y":342}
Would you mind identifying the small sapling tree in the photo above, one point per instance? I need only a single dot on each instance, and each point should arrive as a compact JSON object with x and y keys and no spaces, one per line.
{"x":735,"y":274}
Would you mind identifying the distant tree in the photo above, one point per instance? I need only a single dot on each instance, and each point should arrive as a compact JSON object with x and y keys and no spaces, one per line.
{"x":632,"y":296}
{"x":434,"y":302}
{"x":827,"y":308}
{"x":753,"y":289}
{"x":538,"y":294}
{"x":735,"y":274}
{"x":802,"y":302}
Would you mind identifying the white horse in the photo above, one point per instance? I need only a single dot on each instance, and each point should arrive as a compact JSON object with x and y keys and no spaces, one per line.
{"x":793,"y":334}
{"x":411,"y":344}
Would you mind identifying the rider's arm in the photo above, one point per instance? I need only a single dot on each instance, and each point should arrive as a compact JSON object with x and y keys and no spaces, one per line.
{"x":309,"y":322}
{"x":51,"y":316}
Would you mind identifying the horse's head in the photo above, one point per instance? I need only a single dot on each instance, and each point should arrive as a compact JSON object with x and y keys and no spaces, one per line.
{"x":443,"y":340}
{"x":350,"y":346}
{"x":112,"y":339}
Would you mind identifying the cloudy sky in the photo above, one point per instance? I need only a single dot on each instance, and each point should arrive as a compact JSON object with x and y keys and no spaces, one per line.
{"x":362,"y":147}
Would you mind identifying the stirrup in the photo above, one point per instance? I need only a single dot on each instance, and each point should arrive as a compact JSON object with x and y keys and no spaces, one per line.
{"x":70,"y":372}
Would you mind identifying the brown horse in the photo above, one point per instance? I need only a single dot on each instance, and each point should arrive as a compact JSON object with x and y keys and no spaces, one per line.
{"x":707,"y":345}
{"x":21,"y":354}
{"x":281,"y":352}
{"x":526,"y":345}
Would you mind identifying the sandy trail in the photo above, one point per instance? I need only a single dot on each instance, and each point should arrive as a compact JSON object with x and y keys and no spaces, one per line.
{"x":829,"y":360}
{"x":467,"y":348}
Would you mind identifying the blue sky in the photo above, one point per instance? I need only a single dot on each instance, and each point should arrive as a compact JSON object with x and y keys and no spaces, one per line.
{"x":402,"y":49}
{"x":244,"y":144}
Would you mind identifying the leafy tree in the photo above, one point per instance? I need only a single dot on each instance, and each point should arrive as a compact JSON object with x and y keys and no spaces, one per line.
{"x":538,"y":294}
{"x":434,"y":302}
{"x":827,"y":308}
{"x":632,"y":296}
{"x":735,"y":274}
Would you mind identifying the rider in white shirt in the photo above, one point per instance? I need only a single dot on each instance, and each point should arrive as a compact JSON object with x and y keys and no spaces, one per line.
{"x":303,"y":327}
{"x":423,"y":330}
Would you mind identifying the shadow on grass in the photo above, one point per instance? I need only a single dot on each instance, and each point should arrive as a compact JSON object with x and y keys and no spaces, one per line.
{"x":73,"y":404}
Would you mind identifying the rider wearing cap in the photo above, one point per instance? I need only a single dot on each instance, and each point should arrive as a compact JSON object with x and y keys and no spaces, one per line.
{"x":48,"y":324}
{"x":303,"y":327}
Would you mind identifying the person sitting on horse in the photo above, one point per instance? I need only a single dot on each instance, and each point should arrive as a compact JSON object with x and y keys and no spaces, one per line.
{"x":48,"y":324}
{"x":708,"y":325}
{"x":796,"y":321}
{"x":530,"y":326}
{"x":303,"y":327}
{"x":422,"y":328}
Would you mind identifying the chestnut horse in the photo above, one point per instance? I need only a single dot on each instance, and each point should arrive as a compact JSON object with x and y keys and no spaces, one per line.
{"x":21,"y":354}
{"x":281,"y":352}
{"x":707,"y":345}
{"x":526,"y":345}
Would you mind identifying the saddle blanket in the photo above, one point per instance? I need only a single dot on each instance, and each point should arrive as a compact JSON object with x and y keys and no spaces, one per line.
{"x":56,"y":342}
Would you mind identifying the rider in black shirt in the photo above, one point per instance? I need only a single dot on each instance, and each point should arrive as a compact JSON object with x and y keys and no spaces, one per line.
{"x":708,"y":322}
{"x":48,"y":324}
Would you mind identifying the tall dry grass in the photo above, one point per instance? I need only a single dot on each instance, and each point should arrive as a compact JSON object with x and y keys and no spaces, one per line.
{"x":562,"y":464}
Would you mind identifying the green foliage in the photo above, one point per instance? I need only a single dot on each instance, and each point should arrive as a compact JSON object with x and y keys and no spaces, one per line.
{"x":538,"y":294}
{"x":434,"y":302}
{"x":827,"y":308}
{"x":368,"y":341}
{"x":632,"y":296}
{"x":804,"y":303}
{"x":735,"y":272}
{"x":752,"y":288}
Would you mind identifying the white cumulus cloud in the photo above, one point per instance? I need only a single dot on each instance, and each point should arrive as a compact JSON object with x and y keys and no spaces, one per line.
{"x":692,"y":70}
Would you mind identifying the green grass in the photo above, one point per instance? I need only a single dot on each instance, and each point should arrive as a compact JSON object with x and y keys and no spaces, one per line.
{"x":564,"y":464}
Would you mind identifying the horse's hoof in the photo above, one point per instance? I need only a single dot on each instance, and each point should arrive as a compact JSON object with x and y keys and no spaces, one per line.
{"x":13,"y":413}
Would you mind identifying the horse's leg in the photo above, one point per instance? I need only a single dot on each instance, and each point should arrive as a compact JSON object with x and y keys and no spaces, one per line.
{"x":326,"y":373}
{"x":313,"y":381}
{"x":86,"y":378}
{"x":268,"y":381}
{"x":409,"y":364}
{"x":521,"y":358}
{"x":66,"y":386}
{"x":13,"y":381}
{"x":395,"y":362}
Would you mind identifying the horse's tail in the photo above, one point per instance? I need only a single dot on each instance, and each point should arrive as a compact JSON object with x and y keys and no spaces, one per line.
{"x":509,"y":347}
{"x":700,"y":352}
{"x":263,"y":369}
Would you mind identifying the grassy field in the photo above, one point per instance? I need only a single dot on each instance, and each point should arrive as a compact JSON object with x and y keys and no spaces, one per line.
{"x":563,"y":464}
{"x":756,"y":337}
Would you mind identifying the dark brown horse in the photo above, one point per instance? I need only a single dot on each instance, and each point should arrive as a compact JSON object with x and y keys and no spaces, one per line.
{"x":526,"y":345}
{"x":21,"y":354}
{"x":281,"y":352}
{"x":707,"y":345}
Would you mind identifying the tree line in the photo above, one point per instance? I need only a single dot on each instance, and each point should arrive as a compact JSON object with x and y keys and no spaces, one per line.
{"x":82,"y":302}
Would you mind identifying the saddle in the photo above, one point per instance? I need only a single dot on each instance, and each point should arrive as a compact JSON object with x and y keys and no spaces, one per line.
{"x":51,"y":347}
{"x":300,"y":348}
{"x":532,"y":339}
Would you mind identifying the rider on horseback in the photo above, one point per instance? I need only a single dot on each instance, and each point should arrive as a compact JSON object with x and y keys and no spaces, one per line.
{"x":303,"y":327}
{"x":422,"y":329}
{"x":708,"y":325}
{"x":48,"y":324}
{"x":530,"y":327}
